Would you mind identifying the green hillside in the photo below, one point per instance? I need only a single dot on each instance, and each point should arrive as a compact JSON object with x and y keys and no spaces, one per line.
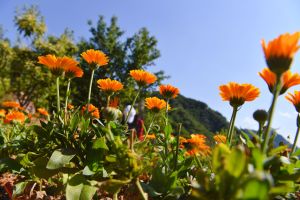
{"x":196,"y":116}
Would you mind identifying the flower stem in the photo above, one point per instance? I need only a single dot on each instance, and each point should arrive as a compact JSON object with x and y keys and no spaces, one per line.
{"x":67,"y":98}
{"x":135,"y":98}
{"x":297,"y":134}
{"x":108,"y":101}
{"x":232,"y":122}
{"x":150,"y":126}
{"x":167,"y":112}
{"x":260,"y":127}
{"x":177,"y":146}
{"x":270,"y":116}
{"x":138,"y":184}
{"x":57,"y":95}
{"x":90,"y":88}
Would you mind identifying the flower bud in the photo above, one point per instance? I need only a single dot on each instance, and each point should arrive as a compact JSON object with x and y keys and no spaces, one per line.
{"x":260,"y":116}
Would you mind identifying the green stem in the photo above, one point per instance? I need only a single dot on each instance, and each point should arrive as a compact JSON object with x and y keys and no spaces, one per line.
{"x":57,"y":95}
{"x":150,"y":126}
{"x":232,"y":122}
{"x":138,"y":184}
{"x":67,"y":98}
{"x":297,"y":134}
{"x":177,"y":147}
{"x":135,"y":98}
{"x":270,"y":116}
{"x":260,"y":127}
{"x":115,"y":196}
{"x":108,"y":101}
{"x":167,"y":112}
{"x":90,"y":89}
{"x":198,"y":161}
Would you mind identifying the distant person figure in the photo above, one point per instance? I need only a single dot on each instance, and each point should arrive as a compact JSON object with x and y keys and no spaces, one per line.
{"x":130,"y":118}
{"x":139,"y":126}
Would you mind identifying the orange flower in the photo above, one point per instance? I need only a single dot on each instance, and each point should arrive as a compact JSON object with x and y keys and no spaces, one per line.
{"x":237,"y":94}
{"x":73,"y":72}
{"x":279,"y":52}
{"x":95,"y":58}
{"x":114,"y":102}
{"x":110,"y":86}
{"x":57,"y":64}
{"x":43,"y":111}
{"x":168,"y":91}
{"x":294,"y":99}
{"x":155,"y":104}
{"x":93,"y":111}
{"x":288,"y":79}
{"x":11,"y":104}
{"x":220,"y":138}
{"x":198,"y":145}
{"x":142,"y":77}
{"x":2,"y":112}
{"x":70,"y":106}
{"x":151,"y":136}
{"x":14,"y":116}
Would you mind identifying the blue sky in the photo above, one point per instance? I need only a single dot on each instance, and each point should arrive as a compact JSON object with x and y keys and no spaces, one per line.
{"x":203,"y":43}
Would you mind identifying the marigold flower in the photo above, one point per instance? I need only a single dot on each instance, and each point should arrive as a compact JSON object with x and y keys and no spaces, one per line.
{"x":198,"y":145}
{"x":109,"y":86}
{"x":14,"y":116}
{"x":10,"y":104}
{"x":57,"y":64}
{"x":73,"y":72}
{"x":237,"y":94}
{"x":92,"y":110}
{"x":294,"y":99}
{"x":142,"y":77}
{"x":95,"y":58}
{"x":70,"y":106}
{"x":2,"y":112}
{"x":151,"y":136}
{"x":168,"y":91}
{"x":43,"y":111}
{"x":288,"y":79}
{"x":279,"y":52}
{"x":155,"y":104}
{"x":114,"y":102}
{"x":220,"y":138}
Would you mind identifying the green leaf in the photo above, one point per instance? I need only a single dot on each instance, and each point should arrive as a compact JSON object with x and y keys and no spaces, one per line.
{"x":113,"y":185}
{"x":9,"y":164}
{"x":19,"y":188}
{"x":111,"y":158}
{"x":78,"y":188}
{"x":248,"y":140}
{"x":219,"y":153}
{"x":39,"y":169}
{"x":100,"y":144}
{"x":168,"y":130}
{"x":26,"y":160}
{"x":59,"y":158}
{"x":296,"y":153}
{"x":278,"y":150}
{"x":236,"y":162}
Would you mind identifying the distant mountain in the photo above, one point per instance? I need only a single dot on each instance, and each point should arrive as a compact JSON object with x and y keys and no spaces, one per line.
{"x":197,"y":117}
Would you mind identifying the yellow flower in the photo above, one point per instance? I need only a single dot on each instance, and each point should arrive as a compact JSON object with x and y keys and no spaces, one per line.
{"x":168,"y":91}
{"x":237,"y":94}
{"x":110,"y":86}
{"x":155,"y":104}
{"x":142,"y":77}
{"x":288,"y":79}
{"x":2,"y":112}
{"x":279,"y":52}
{"x":95,"y":58}
{"x":294,"y":99}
